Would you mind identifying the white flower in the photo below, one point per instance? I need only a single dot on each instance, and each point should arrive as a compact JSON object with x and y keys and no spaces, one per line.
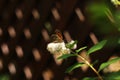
{"x":75,"y":45}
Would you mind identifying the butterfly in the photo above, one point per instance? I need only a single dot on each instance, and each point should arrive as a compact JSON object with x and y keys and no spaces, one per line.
{"x":57,"y":37}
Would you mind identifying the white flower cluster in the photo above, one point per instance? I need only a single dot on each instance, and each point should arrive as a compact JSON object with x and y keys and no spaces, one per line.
{"x":59,"y":48}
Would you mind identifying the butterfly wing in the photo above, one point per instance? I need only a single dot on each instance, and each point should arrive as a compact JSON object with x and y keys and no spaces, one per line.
{"x":59,"y":34}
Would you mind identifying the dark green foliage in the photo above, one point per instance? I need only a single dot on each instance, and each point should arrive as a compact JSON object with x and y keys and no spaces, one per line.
{"x":4,"y":77}
{"x":89,"y":78}
{"x":112,"y":76}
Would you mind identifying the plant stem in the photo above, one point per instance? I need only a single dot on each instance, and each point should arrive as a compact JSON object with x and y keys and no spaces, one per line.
{"x":86,"y":62}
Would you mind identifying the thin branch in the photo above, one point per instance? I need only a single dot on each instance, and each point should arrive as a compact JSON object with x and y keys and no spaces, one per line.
{"x":86,"y":62}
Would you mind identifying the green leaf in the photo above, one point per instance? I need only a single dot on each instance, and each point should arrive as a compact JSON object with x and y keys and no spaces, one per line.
{"x":80,"y":49}
{"x":71,"y":45}
{"x":76,"y":65}
{"x":105,"y":64}
{"x":112,"y":76}
{"x":64,"y":56}
{"x":89,"y":78}
{"x":97,"y":47}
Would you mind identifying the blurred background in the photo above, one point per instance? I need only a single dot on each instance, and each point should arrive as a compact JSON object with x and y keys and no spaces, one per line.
{"x":26,"y":27}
